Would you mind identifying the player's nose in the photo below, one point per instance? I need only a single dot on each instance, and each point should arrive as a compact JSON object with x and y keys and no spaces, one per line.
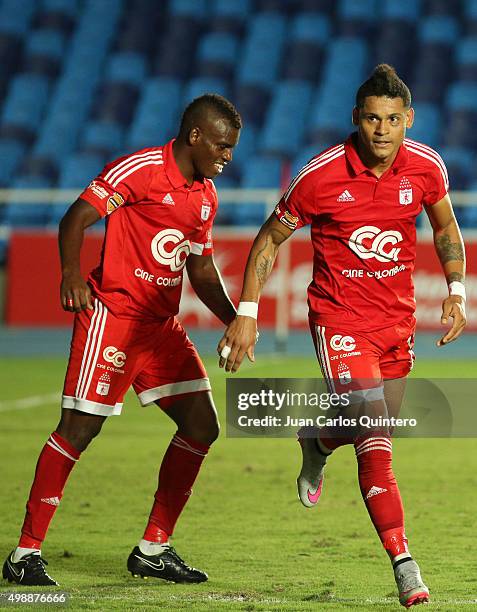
{"x":227,"y":155}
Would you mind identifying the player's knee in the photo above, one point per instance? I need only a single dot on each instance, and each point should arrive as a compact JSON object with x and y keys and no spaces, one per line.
{"x":79,"y":430}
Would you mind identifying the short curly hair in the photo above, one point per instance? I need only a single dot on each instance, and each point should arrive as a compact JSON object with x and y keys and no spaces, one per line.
{"x":384,"y":81}
{"x":209,"y":103}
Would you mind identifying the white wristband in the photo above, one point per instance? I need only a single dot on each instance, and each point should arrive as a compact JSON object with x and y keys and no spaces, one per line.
{"x":247,"y":309}
{"x":457,"y":288}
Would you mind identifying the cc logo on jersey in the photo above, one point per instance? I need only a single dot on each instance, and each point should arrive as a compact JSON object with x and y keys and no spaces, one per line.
{"x":369,"y":241}
{"x":342,"y":343}
{"x":112,"y":355}
{"x":167,"y":248}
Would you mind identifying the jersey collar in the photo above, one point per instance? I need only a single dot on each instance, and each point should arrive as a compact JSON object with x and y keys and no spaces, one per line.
{"x":175,"y":176}
{"x":357,"y":165}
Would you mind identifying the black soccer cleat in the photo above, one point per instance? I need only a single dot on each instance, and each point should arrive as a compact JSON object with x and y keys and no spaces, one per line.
{"x":30,"y":571}
{"x":166,"y":565}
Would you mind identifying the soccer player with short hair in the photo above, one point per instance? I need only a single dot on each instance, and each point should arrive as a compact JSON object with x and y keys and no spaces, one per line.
{"x":361,"y":199}
{"x":159,"y":205}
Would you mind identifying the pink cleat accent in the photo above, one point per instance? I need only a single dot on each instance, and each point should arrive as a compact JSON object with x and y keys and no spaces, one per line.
{"x":310,"y":479}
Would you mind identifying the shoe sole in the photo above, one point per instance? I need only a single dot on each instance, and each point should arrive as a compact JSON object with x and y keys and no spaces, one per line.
{"x":414,"y":600}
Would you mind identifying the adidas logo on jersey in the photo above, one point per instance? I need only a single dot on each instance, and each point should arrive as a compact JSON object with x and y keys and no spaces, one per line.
{"x":53,"y":501}
{"x":375,"y":491}
{"x":345,"y":197}
{"x":167,"y":199}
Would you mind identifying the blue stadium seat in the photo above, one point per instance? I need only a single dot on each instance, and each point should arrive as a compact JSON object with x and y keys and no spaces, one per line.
{"x":344,"y":71}
{"x":460,"y":165}
{"x":462,"y":96}
{"x":427,"y":122}
{"x":466,"y":59}
{"x":26,"y":101}
{"x":238,"y":9}
{"x":126,"y":67}
{"x":189,"y":8}
{"x":66,"y":7}
{"x":102,"y":138}
{"x":262,"y":50}
{"x":467,"y":215}
{"x":310,"y":27}
{"x":306,"y":154}
{"x":15,"y":19}
{"x":442,"y":29}
{"x":176,"y":51}
{"x":389,"y":47}
{"x":405,"y":10}
{"x":17,"y":214}
{"x":11,"y":155}
{"x":303,"y":58}
{"x":157,"y":114}
{"x":142,"y":23}
{"x":217,"y":54}
{"x":201,"y":85}
{"x":79,"y":169}
{"x":441,"y":7}
{"x":461,"y":102}
{"x":286,"y":119}
{"x":252,"y":103}
{"x":260,"y":172}
{"x":44,"y":53}
{"x":356,"y":18}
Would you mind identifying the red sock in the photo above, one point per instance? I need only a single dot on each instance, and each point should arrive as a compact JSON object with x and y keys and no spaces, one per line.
{"x":380,"y":491}
{"x":54,"y":465}
{"x":179,"y":469}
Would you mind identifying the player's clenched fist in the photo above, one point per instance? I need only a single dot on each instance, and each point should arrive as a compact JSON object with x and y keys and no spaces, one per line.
{"x":75,"y":293}
{"x":238,"y":340}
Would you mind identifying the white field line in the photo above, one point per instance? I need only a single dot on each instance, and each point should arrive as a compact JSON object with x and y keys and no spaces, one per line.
{"x":29,"y":402}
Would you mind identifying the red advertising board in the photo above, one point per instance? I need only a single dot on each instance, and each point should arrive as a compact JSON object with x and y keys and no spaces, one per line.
{"x":33,"y":281}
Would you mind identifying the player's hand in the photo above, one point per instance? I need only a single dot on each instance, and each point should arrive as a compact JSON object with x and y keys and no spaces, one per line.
{"x":453,"y":307}
{"x":240,"y":336}
{"x":75,"y":294}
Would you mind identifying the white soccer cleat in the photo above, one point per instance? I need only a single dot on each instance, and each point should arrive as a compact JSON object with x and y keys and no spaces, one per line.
{"x":412,"y":590}
{"x":310,"y":479}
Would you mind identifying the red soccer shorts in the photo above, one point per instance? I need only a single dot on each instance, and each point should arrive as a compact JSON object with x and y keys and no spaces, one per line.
{"x":109,"y":354}
{"x":355,"y":360}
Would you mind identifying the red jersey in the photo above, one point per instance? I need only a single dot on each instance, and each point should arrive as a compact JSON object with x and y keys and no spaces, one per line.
{"x":363,"y":231}
{"x":154,"y":221}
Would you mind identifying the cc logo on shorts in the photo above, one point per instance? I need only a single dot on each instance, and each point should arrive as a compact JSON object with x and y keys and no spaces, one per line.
{"x":369,"y":241}
{"x":342,"y":343}
{"x":167,"y":248}
{"x":112,"y":355}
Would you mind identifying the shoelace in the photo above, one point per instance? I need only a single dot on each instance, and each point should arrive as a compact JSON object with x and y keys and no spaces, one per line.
{"x":37,"y":564}
{"x":172,"y":551}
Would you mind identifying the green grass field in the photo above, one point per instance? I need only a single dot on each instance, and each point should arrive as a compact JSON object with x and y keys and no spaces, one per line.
{"x":244,"y":524}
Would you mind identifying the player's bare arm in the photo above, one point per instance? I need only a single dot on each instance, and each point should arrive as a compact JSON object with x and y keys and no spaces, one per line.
{"x":450,"y":250}
{"x":75,"y":294}
{"x":241,"y":334}
{"x":207,"y":282}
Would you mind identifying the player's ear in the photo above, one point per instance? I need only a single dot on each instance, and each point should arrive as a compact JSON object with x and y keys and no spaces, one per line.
{"x":194,"y":135}
{"x":410,"y":118}
{"x":355,"y":115}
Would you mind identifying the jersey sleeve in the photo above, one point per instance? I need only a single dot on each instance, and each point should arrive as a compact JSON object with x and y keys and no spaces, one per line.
{"x":202,"y":243}
{"x":123,"y":181}
{"x":298,"y":206}
{"x":437,"y":182}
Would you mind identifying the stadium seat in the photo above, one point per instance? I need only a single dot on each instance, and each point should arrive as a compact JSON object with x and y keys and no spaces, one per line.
{"x":15,"y":19}
{"x":102,"y":138}
{"x":11,"y":155}
{"x":17,"y":214}
{"x":43,"y":168}
{"x":157,"y":114}
{"x":427,"y":124}
{"x":201,"y":85}
{"x":345,"y":69}
{"x":466,"y":59}
{"x":460,"y":165}
{"x":286,"y":119}
{"x":440,"y":7}
{"x":306,"y":154}
{"x":126,"y":67}
{"x":44,"y":52}
{"x":405,"y":10}
{"x":260,"y":172}
{"x":79,"y":169}
{"x":309,"y":34}
{"x":25,"y":103}
{"x":262,"y":51}
{"x":189,"y":8}
{"x":216,"y":55}
{"x":176,"y":50}
{"x":467,"y":215}
{"x":141,"y":24}
{"x":356,"y":18}
{"x":252,"y":103}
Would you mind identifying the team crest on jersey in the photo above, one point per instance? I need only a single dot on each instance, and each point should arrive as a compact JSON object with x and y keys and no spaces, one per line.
{"x":286,"y":217}
{"x":205,"y":212}
{"x":115,"y":201}
{"x":405,"y":192}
